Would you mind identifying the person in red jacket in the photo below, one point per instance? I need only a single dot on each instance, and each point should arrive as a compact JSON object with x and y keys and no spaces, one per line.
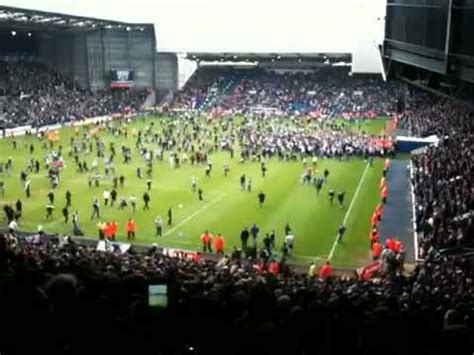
{"x":206,"y":239}
{"x":397,"y":245}
{"x":384,"y":194}
{"x":114,"y":230}
{"x":325,"y":271}
{"x":383,"y":181}
{"x":107,"y":231}
{"x":379,"y":211}
{"x":376,"y":250}
{"x":374,"y":220}
{"x":374,"y":235}
{"x":131,"y":228}
{"x":390,"y":243}
{"x":219,"y":244}
{"x":274,"y":267}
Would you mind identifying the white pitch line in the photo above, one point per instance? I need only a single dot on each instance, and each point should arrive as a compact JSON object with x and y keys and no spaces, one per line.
{"x":346,"y":217}
{"x":202,"y":209}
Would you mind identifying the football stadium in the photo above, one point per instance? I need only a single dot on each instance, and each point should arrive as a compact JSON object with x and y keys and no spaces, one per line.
{"x":168,"y":201}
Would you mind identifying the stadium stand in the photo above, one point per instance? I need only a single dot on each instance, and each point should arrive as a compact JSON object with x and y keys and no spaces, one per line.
{"x":59,"y":288}
{"x":328,"y":92}
{"x":442,"y":175}
{"x":37,"y":95}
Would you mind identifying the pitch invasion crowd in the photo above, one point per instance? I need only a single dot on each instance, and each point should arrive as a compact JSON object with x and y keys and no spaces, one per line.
{"x":37,"y":95}
{"x":280,"y":138}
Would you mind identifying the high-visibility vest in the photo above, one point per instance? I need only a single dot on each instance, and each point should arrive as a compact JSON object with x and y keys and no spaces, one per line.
{"x":219,"y":243}
{"x":131,"y":226}
{"x":206,"y":238}
{"x":379,"y":210}
{"x":376,"y":249}
{"x":325,"y":271}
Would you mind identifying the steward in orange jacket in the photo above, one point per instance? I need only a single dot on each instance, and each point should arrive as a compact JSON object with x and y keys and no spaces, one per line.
{"x":206,"y":239}
{"x":131,"y":228}
{"x":219,"y":244}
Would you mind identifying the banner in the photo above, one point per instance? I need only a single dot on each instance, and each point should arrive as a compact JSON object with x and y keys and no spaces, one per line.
{"x":105,"y":245}
{"x":121,"y":78}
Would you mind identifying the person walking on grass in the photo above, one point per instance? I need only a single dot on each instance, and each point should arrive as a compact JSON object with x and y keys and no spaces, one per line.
{"x":331,"y":194}
{"x":194,"y":182}
{"x":159,"y":226}
{"x":113,"y":197}
{"x":106,"y":196}
{"x":68,"y":198}
{"x":95,"y":208}
{"x":49,"y":211}
{"x":340,"y":233}
{"x":261,"y":198}
{"x":131,"y":228}
{"x":146,"y":201}
{"x":340,"y":198}
{"x":51,"y":197}
{"x":65,"y":212}
{"x":19,"y":208}
{"x":326,"y":174}
{"x":242,"y":182}
{"x":133,"y":202}
{"x":27,"y":188}
{"x":319,"y":185}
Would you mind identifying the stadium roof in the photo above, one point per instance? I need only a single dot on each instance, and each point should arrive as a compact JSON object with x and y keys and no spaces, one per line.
{"x":34,"y":20}
{"x":268,"y":57}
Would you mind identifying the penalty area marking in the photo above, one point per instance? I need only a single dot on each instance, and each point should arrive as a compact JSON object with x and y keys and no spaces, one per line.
{"x":187,"y":219}
{"x":346,"y":217}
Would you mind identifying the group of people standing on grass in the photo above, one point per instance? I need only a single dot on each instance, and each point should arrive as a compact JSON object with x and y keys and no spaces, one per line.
{"x":297,"y":140}
{"x":178,"y":135}
{"x":251,"y":246}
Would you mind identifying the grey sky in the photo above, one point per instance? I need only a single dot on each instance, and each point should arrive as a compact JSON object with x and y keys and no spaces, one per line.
{"x":245,"y":25}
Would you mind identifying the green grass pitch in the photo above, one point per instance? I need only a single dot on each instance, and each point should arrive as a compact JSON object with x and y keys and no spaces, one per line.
{"x":225,"y":208}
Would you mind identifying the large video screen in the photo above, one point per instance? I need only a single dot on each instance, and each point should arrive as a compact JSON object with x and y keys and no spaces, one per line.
{"x":121,"y":78}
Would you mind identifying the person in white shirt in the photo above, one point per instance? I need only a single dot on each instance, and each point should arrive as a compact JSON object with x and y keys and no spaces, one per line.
{"x":194,"y":182}
{"x":12,"y":227}
{"x":289,"y":242}
{"x":106,"y":196}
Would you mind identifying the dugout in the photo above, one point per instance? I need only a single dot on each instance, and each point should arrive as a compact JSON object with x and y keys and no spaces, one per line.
{"x":96,"y":53}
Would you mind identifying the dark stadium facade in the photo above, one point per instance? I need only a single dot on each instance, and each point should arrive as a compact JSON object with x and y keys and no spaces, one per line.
{"x":89,"y":50}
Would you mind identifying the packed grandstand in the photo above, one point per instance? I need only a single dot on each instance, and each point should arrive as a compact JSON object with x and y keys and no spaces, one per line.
{"x":64,"y":295}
